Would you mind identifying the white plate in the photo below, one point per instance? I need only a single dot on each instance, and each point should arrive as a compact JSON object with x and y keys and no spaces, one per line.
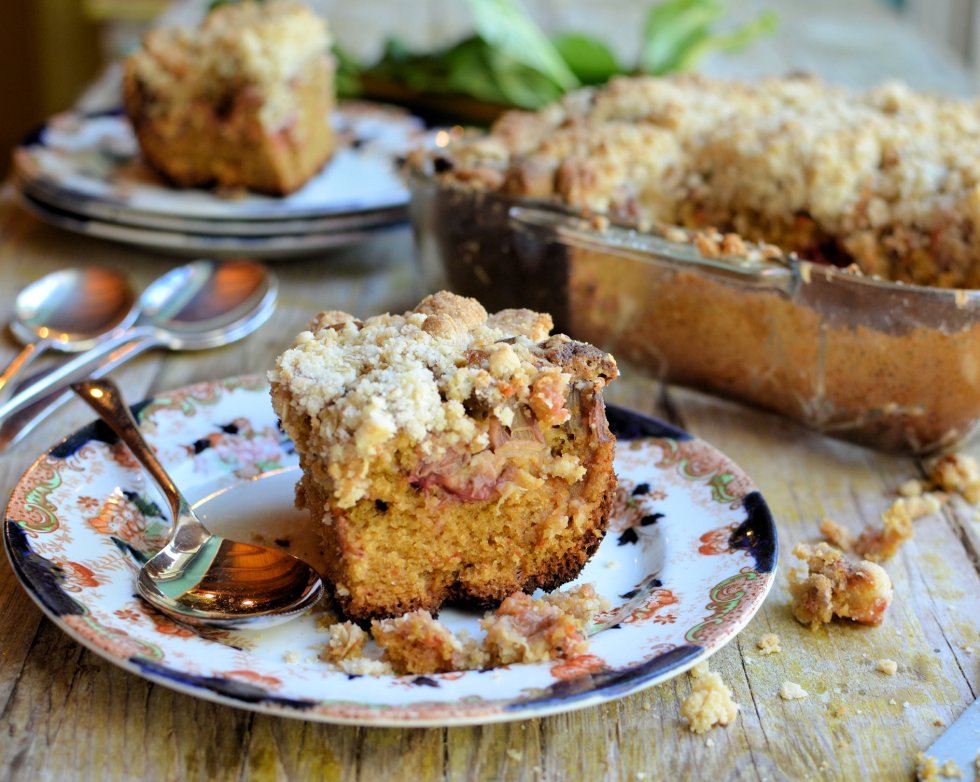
{"x":688,"y":559}
{"x":196,"y":244}
{"x":57,"y":201}
{"x":92,"y":163}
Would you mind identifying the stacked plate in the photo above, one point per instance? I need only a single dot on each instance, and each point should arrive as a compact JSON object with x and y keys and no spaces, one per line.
{"x":84,"y":173}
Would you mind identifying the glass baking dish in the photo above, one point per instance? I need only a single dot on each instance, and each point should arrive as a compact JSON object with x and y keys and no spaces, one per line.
{"x":892,"y":366}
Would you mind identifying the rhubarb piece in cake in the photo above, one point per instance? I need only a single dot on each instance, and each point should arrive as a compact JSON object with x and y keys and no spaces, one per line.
{"x":447,"y":453}
{"x":242,"y":101}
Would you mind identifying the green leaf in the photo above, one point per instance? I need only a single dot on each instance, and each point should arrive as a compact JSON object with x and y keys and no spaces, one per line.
{"x":520,"y":85}
{"x":504,"y":25}
{"x":469,"y":71}
{"x":696,"y":48}
{"x":590,"y":59}
{"x":347,"y":73}
{"x":218,"y":3}
{"x":671,"y":26}
{"x":677,"y":34}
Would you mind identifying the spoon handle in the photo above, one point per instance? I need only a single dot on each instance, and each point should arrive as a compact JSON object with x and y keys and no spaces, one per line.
{"x":105,"y":398}
{"x":16,"y":426}
{"x":28,"y":353}
{"x":114,"y":351}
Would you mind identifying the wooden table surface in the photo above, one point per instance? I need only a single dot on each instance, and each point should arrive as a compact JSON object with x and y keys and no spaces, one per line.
{"x":66,"y":713}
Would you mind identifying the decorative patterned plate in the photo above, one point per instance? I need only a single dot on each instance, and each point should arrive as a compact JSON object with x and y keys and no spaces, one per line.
{"x":688,"y":559}
{"x":91,"y":165}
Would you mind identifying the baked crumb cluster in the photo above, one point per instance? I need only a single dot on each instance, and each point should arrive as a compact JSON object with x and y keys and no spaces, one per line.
{"x":791,"y":691}
{"x":886,"y":666}
{"x":950,"y":474}
{"x":522,"y":630}
{"x":889,"y":179}
{"x":395,"y":384}
{"x":928,"y":769}
{"x":768,"y":644}
{"x":957,"y":473}
{"x":837,"y":586}
{"x":710,"y":702}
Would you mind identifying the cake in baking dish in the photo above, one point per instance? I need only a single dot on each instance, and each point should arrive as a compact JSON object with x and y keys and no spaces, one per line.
{"x":447,"y":453}
{"x":243,"y":101}
{"x":888,"y":179}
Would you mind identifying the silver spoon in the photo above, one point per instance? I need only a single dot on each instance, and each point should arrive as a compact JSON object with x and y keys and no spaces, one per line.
{"x":199,"y":577}
{"x":200,"y":305}
{"x":68,"y":310}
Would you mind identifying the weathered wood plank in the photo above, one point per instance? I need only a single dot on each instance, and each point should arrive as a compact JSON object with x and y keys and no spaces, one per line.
{"x":934,"y":621}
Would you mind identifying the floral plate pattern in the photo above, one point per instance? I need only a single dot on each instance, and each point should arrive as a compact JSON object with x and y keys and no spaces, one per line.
{"x":688,"y":559}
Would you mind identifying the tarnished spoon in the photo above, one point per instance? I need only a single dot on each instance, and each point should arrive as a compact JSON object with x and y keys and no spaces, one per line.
{"x":199,"y":577}
{"x":69,"y":310}
{"x":200,"y":305}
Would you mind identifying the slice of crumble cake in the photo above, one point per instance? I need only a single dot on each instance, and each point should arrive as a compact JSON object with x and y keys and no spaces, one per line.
{"x":447,"y":453}
{"x":242,"y":101}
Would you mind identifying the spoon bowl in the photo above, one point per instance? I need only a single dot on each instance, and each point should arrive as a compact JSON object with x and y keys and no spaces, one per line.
{"x":203,"y":304}
{"x":70,"y":310}
{"x":199,"y":577}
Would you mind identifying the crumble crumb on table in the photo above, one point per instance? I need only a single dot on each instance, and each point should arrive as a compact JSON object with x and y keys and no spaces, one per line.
{"x":886,"y":666}
{"x":836,"y":586}
{"x":791,"y":691}
{"x":710,"y":703}
{"x":929,"y":770}
{"x":769,"y":644}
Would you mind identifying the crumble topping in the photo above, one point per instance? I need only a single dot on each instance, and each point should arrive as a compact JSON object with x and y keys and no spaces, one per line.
{"x":710,"y":703}
{"x":877,"y":545}
{"x":417,"y":643}
{"x":836,"y":586}
{"x":791,"y":691}
{"x":523,"y":629}
{"x":769,"y":644}
{"x":260,"y":45}
{"x":432,"y":382}
{"x":888,"y":175}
